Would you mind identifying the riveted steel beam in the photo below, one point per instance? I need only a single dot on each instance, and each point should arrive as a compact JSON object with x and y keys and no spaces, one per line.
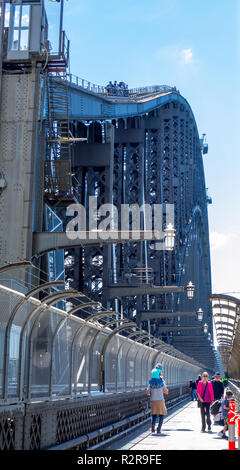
{"x":44,"y":242}
{"x":132,"y":291}
{"x":152,"y":314}
{"x":162,"y":328}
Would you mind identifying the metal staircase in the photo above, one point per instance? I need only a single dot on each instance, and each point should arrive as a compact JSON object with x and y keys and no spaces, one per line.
{"x":58,"y":159}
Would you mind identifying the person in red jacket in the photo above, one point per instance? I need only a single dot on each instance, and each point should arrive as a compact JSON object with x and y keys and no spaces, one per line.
{"x":205,"y":396}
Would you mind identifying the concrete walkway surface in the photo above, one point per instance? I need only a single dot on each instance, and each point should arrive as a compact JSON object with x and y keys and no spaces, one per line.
{"x":181,"y":430}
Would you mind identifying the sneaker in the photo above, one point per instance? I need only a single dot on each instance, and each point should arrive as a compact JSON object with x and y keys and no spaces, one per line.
{"x":221,"y":434}
{"x":153,"y":428}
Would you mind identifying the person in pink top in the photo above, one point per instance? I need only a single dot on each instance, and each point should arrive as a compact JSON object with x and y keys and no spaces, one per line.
{"x":205,"y":396}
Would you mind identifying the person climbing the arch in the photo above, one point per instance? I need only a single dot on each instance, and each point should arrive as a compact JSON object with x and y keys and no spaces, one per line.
{"x":156,"y":390}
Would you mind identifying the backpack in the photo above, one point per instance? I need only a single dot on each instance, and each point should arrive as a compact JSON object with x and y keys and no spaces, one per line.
{"x":218,"y":419}
{"x":215,"y":407}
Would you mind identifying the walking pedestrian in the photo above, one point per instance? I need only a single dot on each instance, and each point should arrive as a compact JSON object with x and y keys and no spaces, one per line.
{"x":218,"y":387}
{"x":225,"y":410}
{"x":157,"y":387}
{"x":193,"y":389}
{"x":198,"y":379}
{"x":205,"y":397}
{"x":225,"y":382}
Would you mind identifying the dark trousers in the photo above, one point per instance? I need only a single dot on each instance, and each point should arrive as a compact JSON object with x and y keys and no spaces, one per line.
{"x":205,"y":415}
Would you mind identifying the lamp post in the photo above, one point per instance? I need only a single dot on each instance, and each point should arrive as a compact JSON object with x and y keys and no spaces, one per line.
{"x":199,"y":314}
{"x":190,"y":290}
{"x":169,"y":237}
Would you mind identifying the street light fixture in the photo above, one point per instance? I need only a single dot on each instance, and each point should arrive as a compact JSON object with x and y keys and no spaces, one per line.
{"x":190,"y":290}
{"x":200,"y":314}
{"x":169,"y":237}
{"x":205,"y":328}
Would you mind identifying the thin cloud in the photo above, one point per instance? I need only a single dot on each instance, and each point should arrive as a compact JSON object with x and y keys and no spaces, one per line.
{"x":219,"y":240}
{"x":175,"y":54}
{"x":186,"y":56}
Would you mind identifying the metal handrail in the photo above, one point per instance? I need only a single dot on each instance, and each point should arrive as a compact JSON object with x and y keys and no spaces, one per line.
{"x":65,"y":44}
{"x":152,"y":89}
{"x":86,"y":84}
{"x":100,"y":89}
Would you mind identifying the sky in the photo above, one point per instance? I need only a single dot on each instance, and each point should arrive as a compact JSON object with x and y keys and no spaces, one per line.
{"x":195,"y":46}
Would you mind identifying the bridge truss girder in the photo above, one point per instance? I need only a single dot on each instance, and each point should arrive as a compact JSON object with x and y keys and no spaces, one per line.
{"x":153,"y":159}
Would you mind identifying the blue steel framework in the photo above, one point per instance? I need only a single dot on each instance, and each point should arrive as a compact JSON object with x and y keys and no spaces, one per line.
{"x":55,"y":259}
{"x":140,"y":148}
{"x":144,"y":149}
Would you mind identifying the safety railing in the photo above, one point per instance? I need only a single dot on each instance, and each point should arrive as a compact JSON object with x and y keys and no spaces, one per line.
{"x":112,"y":91}
{"x":86,"y":84}
{"x":65,"y":378}
{"x":79,"y":423}
{"x":48,"y":353}
{"x":65,"y":45}
{"x":152,"y":89}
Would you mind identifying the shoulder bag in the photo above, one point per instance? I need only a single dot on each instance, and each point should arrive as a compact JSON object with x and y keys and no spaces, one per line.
{"x":199,"y":402}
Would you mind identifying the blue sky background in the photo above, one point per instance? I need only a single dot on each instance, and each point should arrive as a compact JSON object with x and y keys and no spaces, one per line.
{"x":194,"y":45}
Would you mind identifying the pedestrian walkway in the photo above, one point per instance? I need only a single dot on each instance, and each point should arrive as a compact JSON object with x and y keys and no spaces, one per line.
{"x":181,"y":430}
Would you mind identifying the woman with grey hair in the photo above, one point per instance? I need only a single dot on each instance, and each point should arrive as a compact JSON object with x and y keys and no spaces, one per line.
{"x":205,"y":396}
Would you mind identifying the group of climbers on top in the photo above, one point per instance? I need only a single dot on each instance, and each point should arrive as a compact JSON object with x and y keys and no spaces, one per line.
{"x":118,"y":89}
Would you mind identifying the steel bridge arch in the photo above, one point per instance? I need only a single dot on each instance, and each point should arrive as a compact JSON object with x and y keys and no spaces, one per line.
{"x":152,"y":143}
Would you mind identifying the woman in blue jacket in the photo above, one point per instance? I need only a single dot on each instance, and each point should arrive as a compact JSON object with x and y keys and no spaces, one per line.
{"x":157,"y":387}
